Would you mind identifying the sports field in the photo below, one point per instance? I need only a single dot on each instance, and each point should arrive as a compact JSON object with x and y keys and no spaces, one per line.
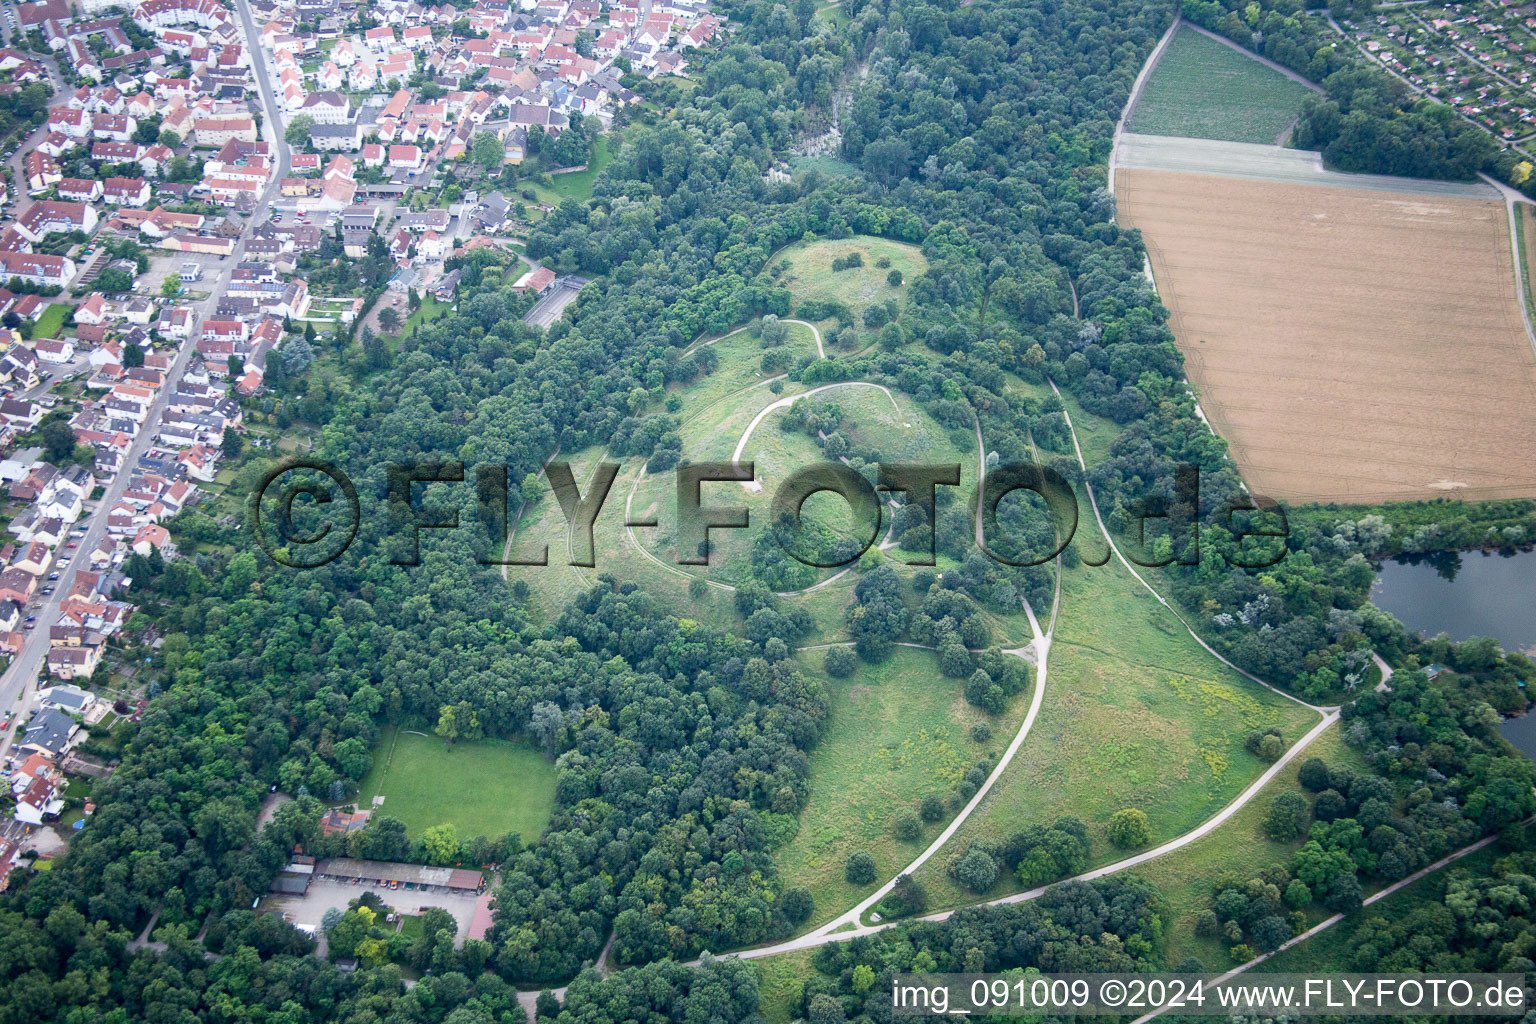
{"x":1351,"y":344}
{"x":488,"y":787}
{"x":1202,"y":88}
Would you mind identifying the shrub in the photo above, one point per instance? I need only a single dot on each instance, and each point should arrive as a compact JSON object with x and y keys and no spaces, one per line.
{"x":840,"y":661}
{"x":1270,"y":931}
{"x":1287,"y":817}
{"x":976,"y":870}
{"x":1329,"y":805}
{"x":981,"y":732}
{"x":1129,"y":828}
{"x":1313,"y":774}
{"x":1267,"y":745}
{"x":797,"y":904}
{"x":906,"y":825}
{"x":860,"y":869}
{"x":1344,"y":895}
{"x":933,"y":808}
{"x":893,"y":278}
{"x":907,"y":896}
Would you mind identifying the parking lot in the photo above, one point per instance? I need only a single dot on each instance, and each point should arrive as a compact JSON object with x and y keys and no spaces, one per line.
{"x":324,"y":894}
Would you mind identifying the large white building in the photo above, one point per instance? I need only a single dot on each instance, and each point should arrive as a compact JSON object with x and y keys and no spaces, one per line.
{"x":327,"y":108}
{"x":37,"y":268}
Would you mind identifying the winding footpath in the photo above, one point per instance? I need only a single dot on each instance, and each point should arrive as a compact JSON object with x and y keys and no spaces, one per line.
{"x":851,"y":923}
{"x":1327,"y":923}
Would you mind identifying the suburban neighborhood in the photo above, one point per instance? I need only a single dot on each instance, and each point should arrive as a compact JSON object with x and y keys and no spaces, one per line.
{"x":206,"y":193}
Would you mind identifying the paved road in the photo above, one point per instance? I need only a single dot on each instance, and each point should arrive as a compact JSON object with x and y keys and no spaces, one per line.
{"x":13,"y":165}
{"x":17,"y":689}
{"x":272,"y":122}
{"x":548,"y":309}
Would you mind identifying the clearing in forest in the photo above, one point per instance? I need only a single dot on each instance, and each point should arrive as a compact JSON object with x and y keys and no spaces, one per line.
{"x":1136,"y":715}
{"x":484,"y":787}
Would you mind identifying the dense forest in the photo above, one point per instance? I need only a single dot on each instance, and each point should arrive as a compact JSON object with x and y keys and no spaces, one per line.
{"x":980,"y":133}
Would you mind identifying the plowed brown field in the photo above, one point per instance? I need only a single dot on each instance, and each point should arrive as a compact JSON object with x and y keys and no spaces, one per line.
{"x":1350,"y":345}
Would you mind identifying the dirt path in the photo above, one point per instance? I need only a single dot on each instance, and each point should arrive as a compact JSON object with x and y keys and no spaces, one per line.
{"x":815,"y":332}
{"x":789,"y":400}
{"x":1093,"y":503}
{"x":1512,"y":201}
{"x":1130,"y":101}
{"x":1328,"y":716}
{"x":1036,"y":652}
{"x":1323,"y":926}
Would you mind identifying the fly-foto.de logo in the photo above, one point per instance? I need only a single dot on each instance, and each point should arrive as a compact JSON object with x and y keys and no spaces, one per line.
{"x":306,"y":513}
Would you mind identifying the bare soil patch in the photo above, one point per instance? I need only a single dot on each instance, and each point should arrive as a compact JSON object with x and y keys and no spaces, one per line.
{"x":1350,"y":345}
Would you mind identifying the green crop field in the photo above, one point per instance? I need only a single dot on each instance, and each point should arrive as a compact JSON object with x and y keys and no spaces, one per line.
{"x":1204,"y":89}
{"x":488,"y":787}
{"x":898,"y":731}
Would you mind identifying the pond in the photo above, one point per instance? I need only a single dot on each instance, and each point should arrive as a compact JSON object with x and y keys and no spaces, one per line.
{"x":1463,"y":594}
{"x":1521,"y":731}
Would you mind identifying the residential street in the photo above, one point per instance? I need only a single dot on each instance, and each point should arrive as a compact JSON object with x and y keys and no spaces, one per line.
{"x":17,"y":686}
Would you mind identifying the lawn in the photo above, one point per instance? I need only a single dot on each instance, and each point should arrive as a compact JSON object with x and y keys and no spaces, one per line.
{"x":1525,"y":241}
{"x":834,"y":15}
{"x":738,"y":367}
{"x":51,"y":323}
{"x":488,"y":787}
{"x":578,"y":184}
{"x":575,"y":185}
{"x":829,"y":165}
{"x":898,"y":732}
{"x":1204,"y":89}
{"x":1135,"y":714}
{"x":892,"y":425}
{"x":715,"y":411}
{"x":430,"y":309}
